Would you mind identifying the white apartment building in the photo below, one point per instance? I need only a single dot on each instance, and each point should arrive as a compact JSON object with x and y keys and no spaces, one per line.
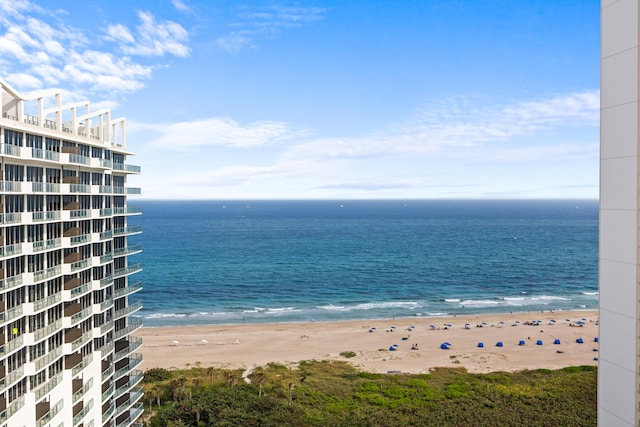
{"x":619,"y":259}
{"x":66,"y":355}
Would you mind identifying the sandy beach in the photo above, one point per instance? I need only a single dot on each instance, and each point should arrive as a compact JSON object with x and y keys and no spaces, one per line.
{"x":249,"y":345}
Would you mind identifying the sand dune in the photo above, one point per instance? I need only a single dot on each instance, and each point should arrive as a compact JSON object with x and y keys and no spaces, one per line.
{"x":250,"y":345}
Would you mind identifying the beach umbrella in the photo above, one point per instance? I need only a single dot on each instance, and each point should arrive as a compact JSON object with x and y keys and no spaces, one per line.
{"x":595,"y":339}
{"x":580,"y":340}
{"x":480,"y":344}
{"x":444,"y":346}
{"x":484,"y":323}
{"x":395,"y":345}
{"x":521,"y":342}
{"x":204,"y":341}
{"x":556,"y":341}
{"x":539,"y":342}
{"x":392,"y":348}
{"x":499,"y":344}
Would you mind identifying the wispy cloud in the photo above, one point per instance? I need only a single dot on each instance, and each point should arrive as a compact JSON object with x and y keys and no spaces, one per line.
{"x":218,"y":131}
{"x":38,"y":49}
{"x":180,"y":5}
{"x":254,"y":23}
{"x":435,"y":153}
{"x":455,"y":124}
{"x":151,"y":38}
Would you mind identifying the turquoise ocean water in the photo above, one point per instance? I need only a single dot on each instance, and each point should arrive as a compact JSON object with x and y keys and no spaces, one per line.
{"x":213,"y":262}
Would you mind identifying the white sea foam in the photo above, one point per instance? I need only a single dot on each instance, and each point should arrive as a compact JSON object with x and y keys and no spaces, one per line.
{"x":550,"y":298}
{"x":165,"y":315}
{"x":452,"y":299}
{"x":590,"y":293}
{"x":389,"y":304}
{"x":479,"y":302}
{"x":332,"y":307}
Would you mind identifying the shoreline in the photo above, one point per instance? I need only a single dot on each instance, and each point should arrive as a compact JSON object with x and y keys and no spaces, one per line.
{"x":248,"y":345}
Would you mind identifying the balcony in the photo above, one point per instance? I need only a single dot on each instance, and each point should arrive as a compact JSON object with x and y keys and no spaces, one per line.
{"x":11,"y":314}
{"x":47,"y":386}
{"x":106,"y":212}
{"x":121,"y":272}
{"x":47,"y":330}
{"x":11,"y":218}
{"x":46,"y":274}
{"x":127,"y":290}
{"x":14,"y":407}
{"x":47,"y":359}
{"x":129,"y":250}
{"x":127,"y":211}
{"x":44,"y":412}
{"x":82,"y":365}
{"x":124,"y":348}
{"x":127,"y":330}
{"x":11,"y":186}
{"x":81,"y":389}
{"x":133,"y":362}
{"x":47,"y":245}
{"x":127,"y":310}
{"x":11,"y":282}
{"x":72,"y":360}
{"x":80,"y":291}
{"x":77,"y":417}
{"x":47,"y":302}
{"x":106,"y":235}
{"x":125,"y":167}
{"x":126,"y":231}
{"x":11,"y":250}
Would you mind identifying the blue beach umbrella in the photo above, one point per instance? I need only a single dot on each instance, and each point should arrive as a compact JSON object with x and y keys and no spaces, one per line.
{"x":580,"y":340}
{"x":539,"y":342}
{"x":521,"y":342}
{"x":499,"y":344}
{"x":480,"y":344}
{"x":595,"y":339}
{"x":556,"y":341}
{"x":444,"y":346}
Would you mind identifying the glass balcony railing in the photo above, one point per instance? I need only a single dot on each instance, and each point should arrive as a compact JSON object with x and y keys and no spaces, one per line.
{"x":132,"y":229}
{"x":128,"y":250}
{"x":133,"y":268}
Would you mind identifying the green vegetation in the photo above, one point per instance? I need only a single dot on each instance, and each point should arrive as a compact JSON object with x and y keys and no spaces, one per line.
{"x":325,"y":393}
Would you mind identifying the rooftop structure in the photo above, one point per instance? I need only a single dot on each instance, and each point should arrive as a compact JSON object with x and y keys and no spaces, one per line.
{"x":66,"y":357}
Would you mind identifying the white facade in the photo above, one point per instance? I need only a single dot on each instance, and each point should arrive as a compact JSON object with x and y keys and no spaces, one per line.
{"x":619,"y":262}
{"x":66,"y":357}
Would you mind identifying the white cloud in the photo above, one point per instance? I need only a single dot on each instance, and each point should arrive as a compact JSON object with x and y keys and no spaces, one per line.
{"x":37,"y":49}
{"x":266,"y":21}
{"x":221,"y":132}
{"x":152,"y":38}
{"x":180,"y":5}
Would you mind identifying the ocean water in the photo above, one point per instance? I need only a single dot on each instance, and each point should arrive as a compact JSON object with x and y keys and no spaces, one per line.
{"x":223,"y":262}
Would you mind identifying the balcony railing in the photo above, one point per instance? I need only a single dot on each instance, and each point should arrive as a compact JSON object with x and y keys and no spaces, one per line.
{"x":84,"y":338}
{"x":85,"y":410}
{"x":129,"y":210}
{"x":83,"y":390}
{"x":126,"y":167}
{"x":14,"y":407}
{"x":47,"y":330}
{"x":80,"y":290}
{"x":134,"y":413}
{"x":48,"y":386}
{"x":52,"y":413}
{"x":106,"y":212}
{"x":47,"y":302}
{"x":127,"y":250}
{"x":11,"y":250}
{"x":79,"y":240}
{"x":121,"y":272}
{"x":47,"y":245}
{"x":11,"y":314}
{"x":127,"y":310}
{"x":48,"y":273}
{"x":135,"y":287}
{"x":134,"y":343}
{"x":48,"y":358}
{"x":127,"y":330}
{"x":10,"y":282}
{"x":11,"y":218}
{"x":80,"y":366}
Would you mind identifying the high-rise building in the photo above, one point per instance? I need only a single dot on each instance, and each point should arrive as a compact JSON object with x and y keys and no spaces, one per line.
{"x":619,"y":259}
{"x":66,"y":354}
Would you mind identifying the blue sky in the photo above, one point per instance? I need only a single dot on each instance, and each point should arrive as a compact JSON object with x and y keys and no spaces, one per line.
{"x":329,"y":99}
